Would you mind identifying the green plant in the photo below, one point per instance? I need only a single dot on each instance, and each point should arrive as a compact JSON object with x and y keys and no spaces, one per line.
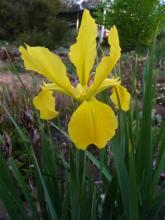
{"x":65,"y":183}
{"x":13,"y":19}
{"x":160,"y":48}
{"x":136,"y":21}
{"x":33,"y":22}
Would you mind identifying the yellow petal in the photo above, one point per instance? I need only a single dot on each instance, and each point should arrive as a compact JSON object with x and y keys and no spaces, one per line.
{"x":83,"y":52}
{"x":108,"y":62}
{"x":92,"y":123}
{"x":41,"y":60}
{"x":107,"y":83}
{"x":121,"y":97}
{"x":53,"y":87}
{"x":45,"y":103}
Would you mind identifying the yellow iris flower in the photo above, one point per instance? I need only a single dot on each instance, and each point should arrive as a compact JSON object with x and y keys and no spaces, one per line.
{"x":93,"y":122}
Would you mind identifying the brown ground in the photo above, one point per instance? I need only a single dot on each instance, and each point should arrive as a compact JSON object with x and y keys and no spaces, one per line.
{"x":11,"y":79}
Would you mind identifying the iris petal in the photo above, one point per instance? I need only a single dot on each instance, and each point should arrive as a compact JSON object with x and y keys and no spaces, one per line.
{"x":108,"y":62}
{"x":45,"y":103}
{"x":92,"y":123}
{"x":121,"y":97}
{"x":41,"y":60}
{"x":53,"y":87}
{"x":83,"y":52}
{"x":107,"y":83}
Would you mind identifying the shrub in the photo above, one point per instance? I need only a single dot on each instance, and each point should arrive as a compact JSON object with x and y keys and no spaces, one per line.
{"x":49,"y":37}
{"x":12,"y":19}
{"x":33,"y":22}
{"x":136,"y":21}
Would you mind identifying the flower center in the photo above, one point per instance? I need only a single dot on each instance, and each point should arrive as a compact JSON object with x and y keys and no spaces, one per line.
{"x":81,"y":91}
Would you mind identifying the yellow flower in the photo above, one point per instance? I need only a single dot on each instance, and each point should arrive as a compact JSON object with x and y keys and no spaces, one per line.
{"x":93,"y":122}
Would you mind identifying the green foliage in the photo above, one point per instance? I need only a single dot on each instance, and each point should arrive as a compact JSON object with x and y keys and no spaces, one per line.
{"x":136,"y":21}
{"x":12,"y":18}
{"x":66,"y":183}
{"x":54,"y":32}
{"x":34,"y":22}
{"x":160,"y":47}
{"x":134,"y":153}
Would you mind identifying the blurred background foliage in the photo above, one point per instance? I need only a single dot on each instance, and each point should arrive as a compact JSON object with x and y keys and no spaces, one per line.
{"x":36,"y":22}
{"x":33,"y":21}
{"x":136,"y":20}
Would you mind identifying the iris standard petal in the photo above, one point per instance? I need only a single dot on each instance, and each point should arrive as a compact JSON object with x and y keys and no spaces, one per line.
{"x":108,"y":62}
{"x":92,"y":123}
{"x":41,"y":60}
{"x":121,"y":97}
{"x":83,"y":52}
{"x":45,"y":103}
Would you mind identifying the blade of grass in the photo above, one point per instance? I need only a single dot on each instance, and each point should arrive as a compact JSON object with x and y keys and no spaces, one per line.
{"x":133,"y":193}
{"x":64,"y":205}
{"x":49,"y":170}
{"x":104,"y":171}
{"x":17,"y":73}
{"x":23,"y":137}
{"x":12,"y":210}
{"x":160,"y":163}
{"x":122,"y":174}
{"x":155,"y":205}
{"x":74,"y":188}
{"x":51,"y":210}
{"x":24,"y":188}
{"x":9,"y":193}
{"x":94,"y":207}
{"x":145,"y":148}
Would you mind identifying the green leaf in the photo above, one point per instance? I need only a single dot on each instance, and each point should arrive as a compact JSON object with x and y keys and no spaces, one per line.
{"x":49,"y":168}
{"x":133,"y":191}
{"x":24,"y":188}
{"x":104,"y":171}
{"x":23,"y":137}
{"x":94,"y":207}
{"x":9,"y":193}
{"x":100,"y":166}
{"x":160,"y":163}
{"x":155,"y":205}
{"x":109,"y":208}
{"x":51,"y":210}
{"x":122,"y":174}
{"x":145,"y":148}
{"x":65,"y":205}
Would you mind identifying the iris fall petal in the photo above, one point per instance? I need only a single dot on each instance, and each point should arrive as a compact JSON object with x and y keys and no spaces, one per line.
{"x":41,"y":60}
{"x":92,"y":123}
